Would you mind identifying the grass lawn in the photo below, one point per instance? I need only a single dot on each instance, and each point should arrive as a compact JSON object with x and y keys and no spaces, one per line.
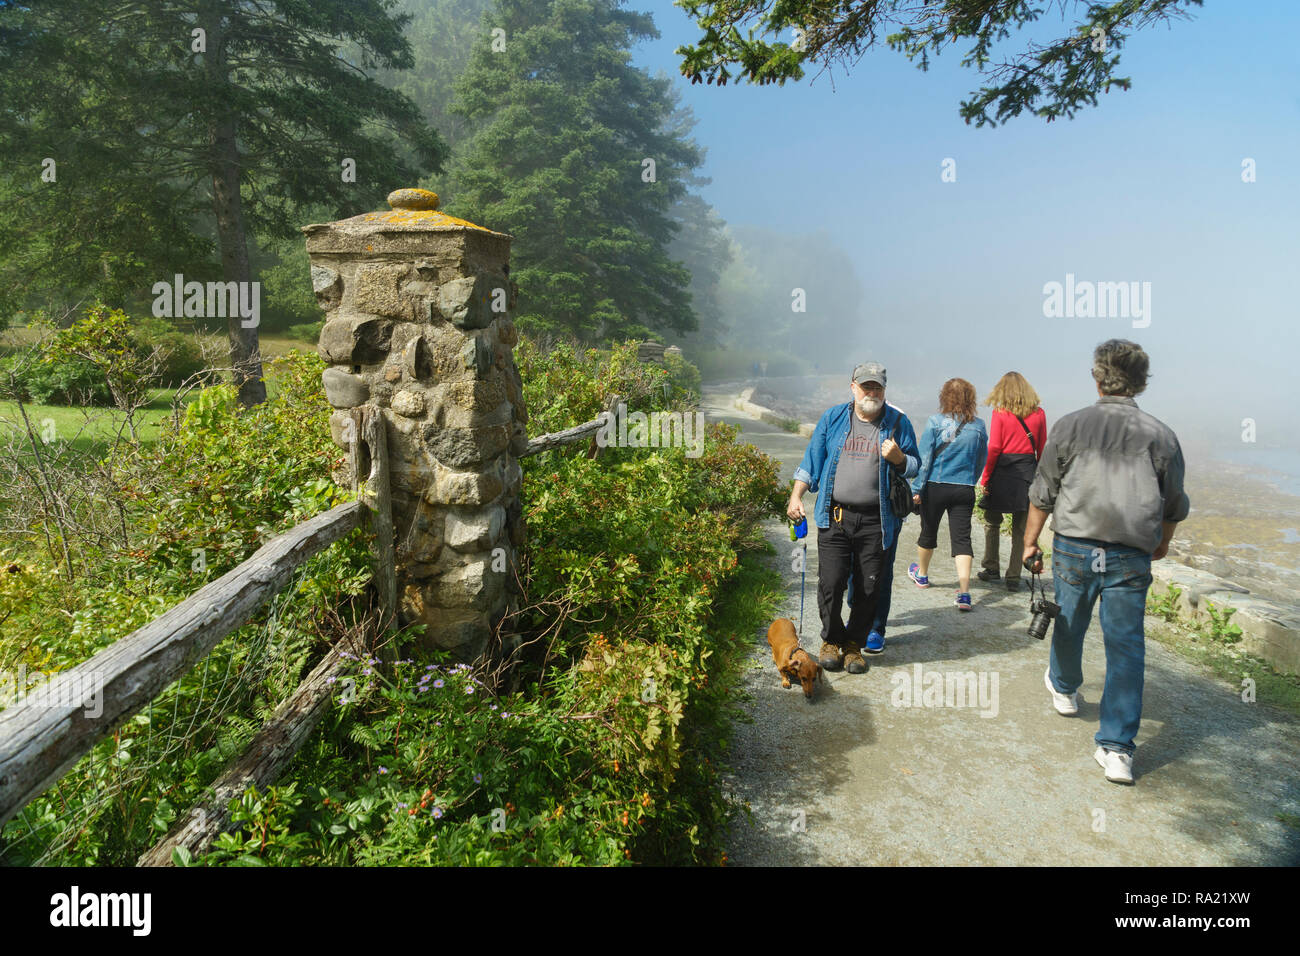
{"x":92,"y":428}
{"x":86,"y":428}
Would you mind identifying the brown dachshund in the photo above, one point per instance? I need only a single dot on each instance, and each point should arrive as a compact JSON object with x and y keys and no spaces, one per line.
{"x":792,"y":661}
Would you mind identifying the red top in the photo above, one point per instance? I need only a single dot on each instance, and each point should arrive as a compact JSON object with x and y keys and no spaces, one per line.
{"x":1006,"y":435}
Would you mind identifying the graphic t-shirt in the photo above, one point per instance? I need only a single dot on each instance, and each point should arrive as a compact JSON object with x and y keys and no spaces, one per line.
{"x":857,"y":476}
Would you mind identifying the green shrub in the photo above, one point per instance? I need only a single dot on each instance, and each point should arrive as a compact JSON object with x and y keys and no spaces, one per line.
{"x":81,"y":364}
{"x":308,"y":332}
{"x":182,"y":356}
{"x":46,"y":380}
{"x":1165,"y":606}
{"x":638,"y":611}
{"x":287,"y":296}
{"x":1220,"y":628}
{"x":219,"y":484}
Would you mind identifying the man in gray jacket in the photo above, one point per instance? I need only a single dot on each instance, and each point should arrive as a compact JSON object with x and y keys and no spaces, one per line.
{"x":1112,"y":476}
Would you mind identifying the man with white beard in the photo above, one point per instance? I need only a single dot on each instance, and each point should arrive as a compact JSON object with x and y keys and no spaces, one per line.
{"x":848,"y":465}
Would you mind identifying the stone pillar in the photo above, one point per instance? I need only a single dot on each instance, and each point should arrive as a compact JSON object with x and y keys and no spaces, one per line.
{"x":417,"y":323}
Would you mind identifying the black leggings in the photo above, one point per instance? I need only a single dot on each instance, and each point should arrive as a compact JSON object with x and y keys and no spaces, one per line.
{"x":959,"y":501}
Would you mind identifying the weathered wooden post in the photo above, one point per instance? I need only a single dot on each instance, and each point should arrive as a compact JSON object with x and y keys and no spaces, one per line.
{"x":418,"y":325}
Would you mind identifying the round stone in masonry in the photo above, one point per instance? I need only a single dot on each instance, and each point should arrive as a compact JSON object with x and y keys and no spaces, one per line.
{"x":408,"y":403}
{"x":343,"y":390}
{"x":413,"y":199}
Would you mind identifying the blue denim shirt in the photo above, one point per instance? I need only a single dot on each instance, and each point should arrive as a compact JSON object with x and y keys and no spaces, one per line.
{"x":823,"y":454}
{"x":962,"y":462}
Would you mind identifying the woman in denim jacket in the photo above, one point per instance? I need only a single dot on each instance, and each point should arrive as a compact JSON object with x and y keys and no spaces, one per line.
{"x":953,"y":448}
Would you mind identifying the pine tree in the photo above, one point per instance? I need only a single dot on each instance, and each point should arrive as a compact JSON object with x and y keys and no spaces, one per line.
{"x":249,"y":108}
{"x":571,"y":155}
{"x":746,"y":39}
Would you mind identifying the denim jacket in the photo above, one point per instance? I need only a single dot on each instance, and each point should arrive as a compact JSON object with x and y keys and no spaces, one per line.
{"x":962,"y":462}
{"x":823,"y":454}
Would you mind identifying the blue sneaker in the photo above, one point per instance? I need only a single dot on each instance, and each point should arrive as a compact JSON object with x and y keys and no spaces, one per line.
{"x":917,"y":579}
{"x":875,"y":642}
{"x":963,"y":601}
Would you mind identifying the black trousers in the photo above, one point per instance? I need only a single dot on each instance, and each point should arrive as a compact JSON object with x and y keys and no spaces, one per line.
{"x":959,"y":501}
{"x":851,"y":543}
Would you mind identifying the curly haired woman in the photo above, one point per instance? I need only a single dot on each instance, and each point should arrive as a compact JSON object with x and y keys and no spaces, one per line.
{"x":953,"y":447}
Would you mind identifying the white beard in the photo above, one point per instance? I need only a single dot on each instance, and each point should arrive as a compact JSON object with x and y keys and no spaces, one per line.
{"x":869,"y":407}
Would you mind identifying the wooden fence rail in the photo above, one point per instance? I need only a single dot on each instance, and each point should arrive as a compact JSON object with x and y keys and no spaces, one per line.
{"x":41,"y":739}
{"x":263,"y":759}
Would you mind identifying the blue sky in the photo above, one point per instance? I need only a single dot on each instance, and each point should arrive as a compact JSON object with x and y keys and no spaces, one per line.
{"x":1144,"y":187}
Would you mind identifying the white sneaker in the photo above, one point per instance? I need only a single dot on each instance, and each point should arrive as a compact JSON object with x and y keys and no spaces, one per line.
{"x":1118,"y":765}
{"x":1067,"y":705}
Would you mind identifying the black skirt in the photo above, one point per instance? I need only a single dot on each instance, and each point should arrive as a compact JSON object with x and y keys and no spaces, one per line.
{"x":1009,"y":484}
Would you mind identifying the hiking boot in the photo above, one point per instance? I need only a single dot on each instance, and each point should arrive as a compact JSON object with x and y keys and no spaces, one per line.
{"x":854,"y":662}
{"x":989,"y":576}
{"x":1013,"y":584}
{"x":1117,"y":764}
{"x":830,"y":657}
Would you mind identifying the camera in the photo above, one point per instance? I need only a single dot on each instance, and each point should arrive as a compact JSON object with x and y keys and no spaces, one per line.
{"x":1041,"y":610}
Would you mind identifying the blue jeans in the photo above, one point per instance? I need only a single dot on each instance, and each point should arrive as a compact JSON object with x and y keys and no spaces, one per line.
{"x":884,"y":588}
{"x":1121,"y":582}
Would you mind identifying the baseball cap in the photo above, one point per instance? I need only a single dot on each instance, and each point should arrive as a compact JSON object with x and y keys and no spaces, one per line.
{"x":869,"y":372}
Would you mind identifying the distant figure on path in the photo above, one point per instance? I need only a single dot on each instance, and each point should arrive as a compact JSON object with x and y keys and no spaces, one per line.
{"x":953,"y":446}
{"x":1017,"y":433}
{"x":1113,"y":477}
{"x":848,"y":464}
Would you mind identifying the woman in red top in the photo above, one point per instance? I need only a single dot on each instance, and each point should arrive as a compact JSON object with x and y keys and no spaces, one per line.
{"x":1017,"y":433}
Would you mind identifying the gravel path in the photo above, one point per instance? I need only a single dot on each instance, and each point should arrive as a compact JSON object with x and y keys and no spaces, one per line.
{"x":863,"y":777}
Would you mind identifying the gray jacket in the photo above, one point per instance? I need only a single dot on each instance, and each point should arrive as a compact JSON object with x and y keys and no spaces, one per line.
{"x":1111,"y":472}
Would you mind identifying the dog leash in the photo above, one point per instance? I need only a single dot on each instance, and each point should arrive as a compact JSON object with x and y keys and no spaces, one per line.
{"x":803,"y":576}
{"x":800,"y":530}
